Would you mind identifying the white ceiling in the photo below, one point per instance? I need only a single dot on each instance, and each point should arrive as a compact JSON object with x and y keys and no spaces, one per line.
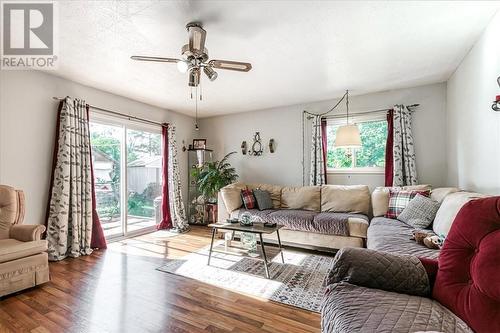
{"x":301,"y":51}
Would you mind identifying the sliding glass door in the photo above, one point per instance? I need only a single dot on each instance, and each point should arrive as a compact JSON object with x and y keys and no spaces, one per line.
{"x":127,"y":169}
{"x":107,"y":154}
{"x":144,"y":178}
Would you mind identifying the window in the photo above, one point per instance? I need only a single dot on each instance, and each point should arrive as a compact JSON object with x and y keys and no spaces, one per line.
{"x":127,"y":169}
{"x":370,"y":157}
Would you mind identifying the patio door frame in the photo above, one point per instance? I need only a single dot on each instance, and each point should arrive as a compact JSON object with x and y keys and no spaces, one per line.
{"x":105,"y":119}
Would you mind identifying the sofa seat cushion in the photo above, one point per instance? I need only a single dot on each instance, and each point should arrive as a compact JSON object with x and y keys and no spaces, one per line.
{"x":11,"y":249}
{"x":257,"y":216}
{"x":350,"y":308}
{"x":393,"y":236}
{"x":342,"y":224}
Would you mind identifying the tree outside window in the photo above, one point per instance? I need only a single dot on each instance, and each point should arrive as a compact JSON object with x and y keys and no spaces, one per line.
{"x":371,"y":156}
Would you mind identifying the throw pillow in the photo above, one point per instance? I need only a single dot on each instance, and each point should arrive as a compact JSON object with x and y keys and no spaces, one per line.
{"x":263,"y":199}
{"x":248,"y":199}
{"x":399,"y":199}
{"x":420,"y":212}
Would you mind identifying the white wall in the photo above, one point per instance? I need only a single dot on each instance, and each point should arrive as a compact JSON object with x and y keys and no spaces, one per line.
{"x":473,"y":127}
{"x":27,"y":126}
{"x":225,"y":134}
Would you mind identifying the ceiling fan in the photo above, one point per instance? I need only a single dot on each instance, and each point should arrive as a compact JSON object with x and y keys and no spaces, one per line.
{"x":195,"y":58}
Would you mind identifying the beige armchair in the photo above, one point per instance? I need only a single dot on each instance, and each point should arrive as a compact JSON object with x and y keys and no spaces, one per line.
{"x":23,"y":255}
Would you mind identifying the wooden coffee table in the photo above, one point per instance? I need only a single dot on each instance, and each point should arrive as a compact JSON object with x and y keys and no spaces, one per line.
{"x":256,"y":228}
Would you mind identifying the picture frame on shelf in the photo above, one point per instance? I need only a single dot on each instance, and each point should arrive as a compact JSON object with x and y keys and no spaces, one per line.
{"x":199,"y":143}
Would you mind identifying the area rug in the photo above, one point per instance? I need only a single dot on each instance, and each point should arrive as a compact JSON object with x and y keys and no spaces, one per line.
{"x":298,"y":282}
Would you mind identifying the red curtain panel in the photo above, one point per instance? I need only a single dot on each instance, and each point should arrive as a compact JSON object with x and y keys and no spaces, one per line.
{"x":166,"y":221}
{"x":389,"y":161}
{"x":54,"y":162}
{"x":324,"y":146}
{"x":97,"y":240}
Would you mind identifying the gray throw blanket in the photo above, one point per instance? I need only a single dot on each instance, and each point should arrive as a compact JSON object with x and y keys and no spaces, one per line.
{"x":304,"y":220}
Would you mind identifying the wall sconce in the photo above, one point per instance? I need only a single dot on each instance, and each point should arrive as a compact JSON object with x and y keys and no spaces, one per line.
{"x":257,"y":145}
{"x":496,"y":103}
{"x":244,"y":147}
{"x":272,"y":146}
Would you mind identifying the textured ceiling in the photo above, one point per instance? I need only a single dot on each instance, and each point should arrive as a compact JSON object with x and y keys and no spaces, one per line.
{"x":301,"y":51}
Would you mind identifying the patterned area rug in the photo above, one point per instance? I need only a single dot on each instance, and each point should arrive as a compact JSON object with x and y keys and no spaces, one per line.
{"x":298,"y":282}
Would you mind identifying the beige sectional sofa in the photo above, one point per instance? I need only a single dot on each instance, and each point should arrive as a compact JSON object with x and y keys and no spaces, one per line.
{"x":316,"y":204}
{"x":393,"y":236}
{"x":367,"y":225}
{"x":387,"y":287}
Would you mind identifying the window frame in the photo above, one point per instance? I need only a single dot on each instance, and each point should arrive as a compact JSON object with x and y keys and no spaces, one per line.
{"x":356,"y":119}
{"x":102,"y":118}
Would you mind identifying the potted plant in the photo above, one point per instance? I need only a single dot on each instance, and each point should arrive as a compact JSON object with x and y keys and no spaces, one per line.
{"x":212,"y":176}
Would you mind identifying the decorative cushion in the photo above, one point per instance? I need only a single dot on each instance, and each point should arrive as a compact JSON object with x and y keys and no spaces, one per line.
{"x":380,"y":197}
{"x":263,"y":199}
{"x":274,"y":191}
{"x":420,"y":212}
{"x":345,"y":199}
{"x":399,"y":199}
{"x":248,"y":199}
{"x":446,"y":214}
{"x":438,"y":194}
{"x":231,"y":195}
{"x":467,"y":280}
{"x":303,"y":197}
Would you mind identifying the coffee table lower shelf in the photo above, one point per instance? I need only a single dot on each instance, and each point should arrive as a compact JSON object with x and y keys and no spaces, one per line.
{"x":236,"y":248}
{"x":258,"y":230}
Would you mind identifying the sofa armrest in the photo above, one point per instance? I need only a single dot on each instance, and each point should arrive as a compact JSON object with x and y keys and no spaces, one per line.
{"x":222,"y":213}
{"x":380,"y":270}
{"x":27,"y":232}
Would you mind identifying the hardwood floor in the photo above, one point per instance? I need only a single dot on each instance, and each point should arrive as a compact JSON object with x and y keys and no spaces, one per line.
{"x":119,"y":290}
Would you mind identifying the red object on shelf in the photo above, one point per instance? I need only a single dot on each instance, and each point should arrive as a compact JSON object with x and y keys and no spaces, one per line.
{"x":498,"y":98}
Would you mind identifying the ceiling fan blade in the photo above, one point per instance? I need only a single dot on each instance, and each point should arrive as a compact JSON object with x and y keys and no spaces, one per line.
{"x":231,"y":65}
{"x":197,"y":37}
{"x":155,"y":59}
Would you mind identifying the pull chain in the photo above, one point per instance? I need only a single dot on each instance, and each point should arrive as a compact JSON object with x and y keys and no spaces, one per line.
{"x":201,"y":92}
{"x":196,"y":127}
{"x":347,"y":105}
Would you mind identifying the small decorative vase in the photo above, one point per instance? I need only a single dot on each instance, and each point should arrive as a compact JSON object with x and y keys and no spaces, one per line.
{"x":227,"y":240}
{"x":249,"y":241}
{"x":246,"y":219}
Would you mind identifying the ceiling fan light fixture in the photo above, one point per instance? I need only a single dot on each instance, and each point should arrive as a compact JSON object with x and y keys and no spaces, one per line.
{"x":194,"y":77}
{"x":211,"y":74}
{"x":183,"y":66}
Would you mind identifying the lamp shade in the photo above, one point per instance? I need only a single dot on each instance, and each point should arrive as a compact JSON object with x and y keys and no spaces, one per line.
{"x":348,"y":137}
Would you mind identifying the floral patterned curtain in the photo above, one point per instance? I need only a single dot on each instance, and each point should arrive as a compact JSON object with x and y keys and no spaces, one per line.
{"x":69,"y":216}
{"x":405,"y":166}
{"x":317,"y":170}
{"x":178,"y":213}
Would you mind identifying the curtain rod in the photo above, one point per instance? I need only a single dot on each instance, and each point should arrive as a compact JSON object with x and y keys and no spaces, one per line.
{"x":361,"y":113}
{"x":147,"y":121}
